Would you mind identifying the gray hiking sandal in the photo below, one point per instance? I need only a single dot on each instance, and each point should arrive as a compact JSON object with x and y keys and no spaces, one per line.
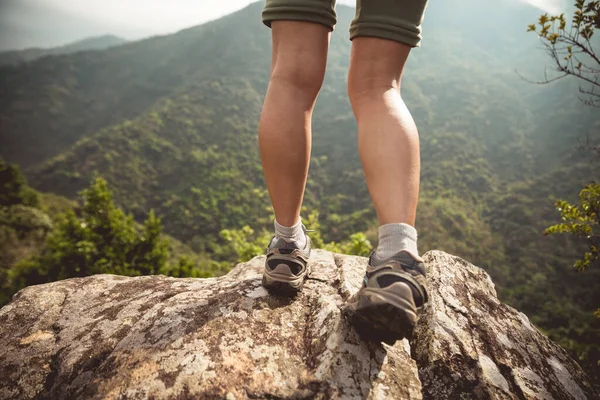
{"x":286,"y":266}
{"x":394,"y":291}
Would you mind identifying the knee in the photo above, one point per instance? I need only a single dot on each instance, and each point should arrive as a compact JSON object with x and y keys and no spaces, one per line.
{"x":299,"y":73}
{"x":367,"y":86}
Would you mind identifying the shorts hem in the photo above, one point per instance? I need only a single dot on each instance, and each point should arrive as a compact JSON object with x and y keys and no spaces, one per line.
{"x":298,"y":14}
{"x":399,"y":35}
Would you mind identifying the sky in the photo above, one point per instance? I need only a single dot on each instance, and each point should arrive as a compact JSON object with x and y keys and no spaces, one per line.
{"x":49,"y":23}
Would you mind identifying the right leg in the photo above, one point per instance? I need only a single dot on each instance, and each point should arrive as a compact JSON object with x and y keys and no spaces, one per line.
{"x":297,"y":71}
{"x":300,"y":33}
{"x":300,"y":41}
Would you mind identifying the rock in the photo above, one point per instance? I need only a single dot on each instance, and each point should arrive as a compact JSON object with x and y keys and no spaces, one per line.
{"x":114,"y":337}
{"x":225,"y":338}
{"x":467,"y":341}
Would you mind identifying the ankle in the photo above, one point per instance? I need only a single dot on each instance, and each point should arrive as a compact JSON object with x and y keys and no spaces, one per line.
{"x":294,"y":233}
{"x":396,"y":237}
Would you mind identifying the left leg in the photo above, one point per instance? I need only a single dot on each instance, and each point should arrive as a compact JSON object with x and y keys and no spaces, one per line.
{"x":388,"y":142}
{"x":394,"y":290}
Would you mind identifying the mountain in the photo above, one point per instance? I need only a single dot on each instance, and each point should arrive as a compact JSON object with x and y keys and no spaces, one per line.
{"x":171,"y":123}
{"x":93,"y":43}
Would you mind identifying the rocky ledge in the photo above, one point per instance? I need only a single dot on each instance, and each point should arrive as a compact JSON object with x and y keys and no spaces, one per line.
{"x":113,"y":337}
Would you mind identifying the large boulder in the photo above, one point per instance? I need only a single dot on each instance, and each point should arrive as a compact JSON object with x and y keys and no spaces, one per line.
{"x":113,"y":337}
{"x":468,"y":342}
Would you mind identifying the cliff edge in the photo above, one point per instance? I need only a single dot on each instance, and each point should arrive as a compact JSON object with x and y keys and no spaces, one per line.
{"x":111,"y":337}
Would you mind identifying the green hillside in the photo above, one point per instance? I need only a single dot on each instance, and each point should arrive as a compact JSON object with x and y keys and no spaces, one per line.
{"x":171,"y":123}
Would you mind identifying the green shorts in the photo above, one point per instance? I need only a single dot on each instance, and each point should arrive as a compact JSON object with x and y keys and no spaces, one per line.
{"x":398,"y":20}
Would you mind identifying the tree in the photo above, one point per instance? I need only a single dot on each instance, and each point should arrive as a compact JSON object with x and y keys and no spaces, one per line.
{"x":13,"y":187}
{"x":582,"y":221}
{"x":23,"y":226}
{"x":574,"y":54}
{"x":102,"y":239}
{"x":572,"y":49}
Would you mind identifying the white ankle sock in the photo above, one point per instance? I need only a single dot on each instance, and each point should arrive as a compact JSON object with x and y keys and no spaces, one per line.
{"x":396,"y":237}
{"x":291,"y":233}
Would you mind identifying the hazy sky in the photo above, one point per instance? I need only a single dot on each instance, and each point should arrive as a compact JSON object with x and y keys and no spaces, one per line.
{"x":47,"y":23}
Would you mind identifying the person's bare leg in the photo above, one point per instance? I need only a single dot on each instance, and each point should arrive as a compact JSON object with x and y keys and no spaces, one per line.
{"x":297,"y":72}
{"x":394,"y":290}
{"x":388,"y":141}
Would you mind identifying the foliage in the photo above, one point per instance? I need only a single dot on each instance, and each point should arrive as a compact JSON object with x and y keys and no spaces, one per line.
{"x":357,"y":245}
{"x":186,"y":267}
{"x":583,"y":221}
{"x":25,"y":220}
{"x":572,"y":48}
{"x":103,"y":239}
{"x":93,"y":238}
{"x":23,"y":232}
{"x":13,"y":187}
{"x":23,"y":227}
{"x":54,"y":205}
{"x":245,"y":243}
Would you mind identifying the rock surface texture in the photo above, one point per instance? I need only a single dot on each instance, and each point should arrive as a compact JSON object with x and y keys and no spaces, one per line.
{"x":470,"y":345}
{"x":110,"y":337}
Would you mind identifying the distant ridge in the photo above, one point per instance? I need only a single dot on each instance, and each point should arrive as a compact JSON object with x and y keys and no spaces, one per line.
{"x":92,"y":43}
